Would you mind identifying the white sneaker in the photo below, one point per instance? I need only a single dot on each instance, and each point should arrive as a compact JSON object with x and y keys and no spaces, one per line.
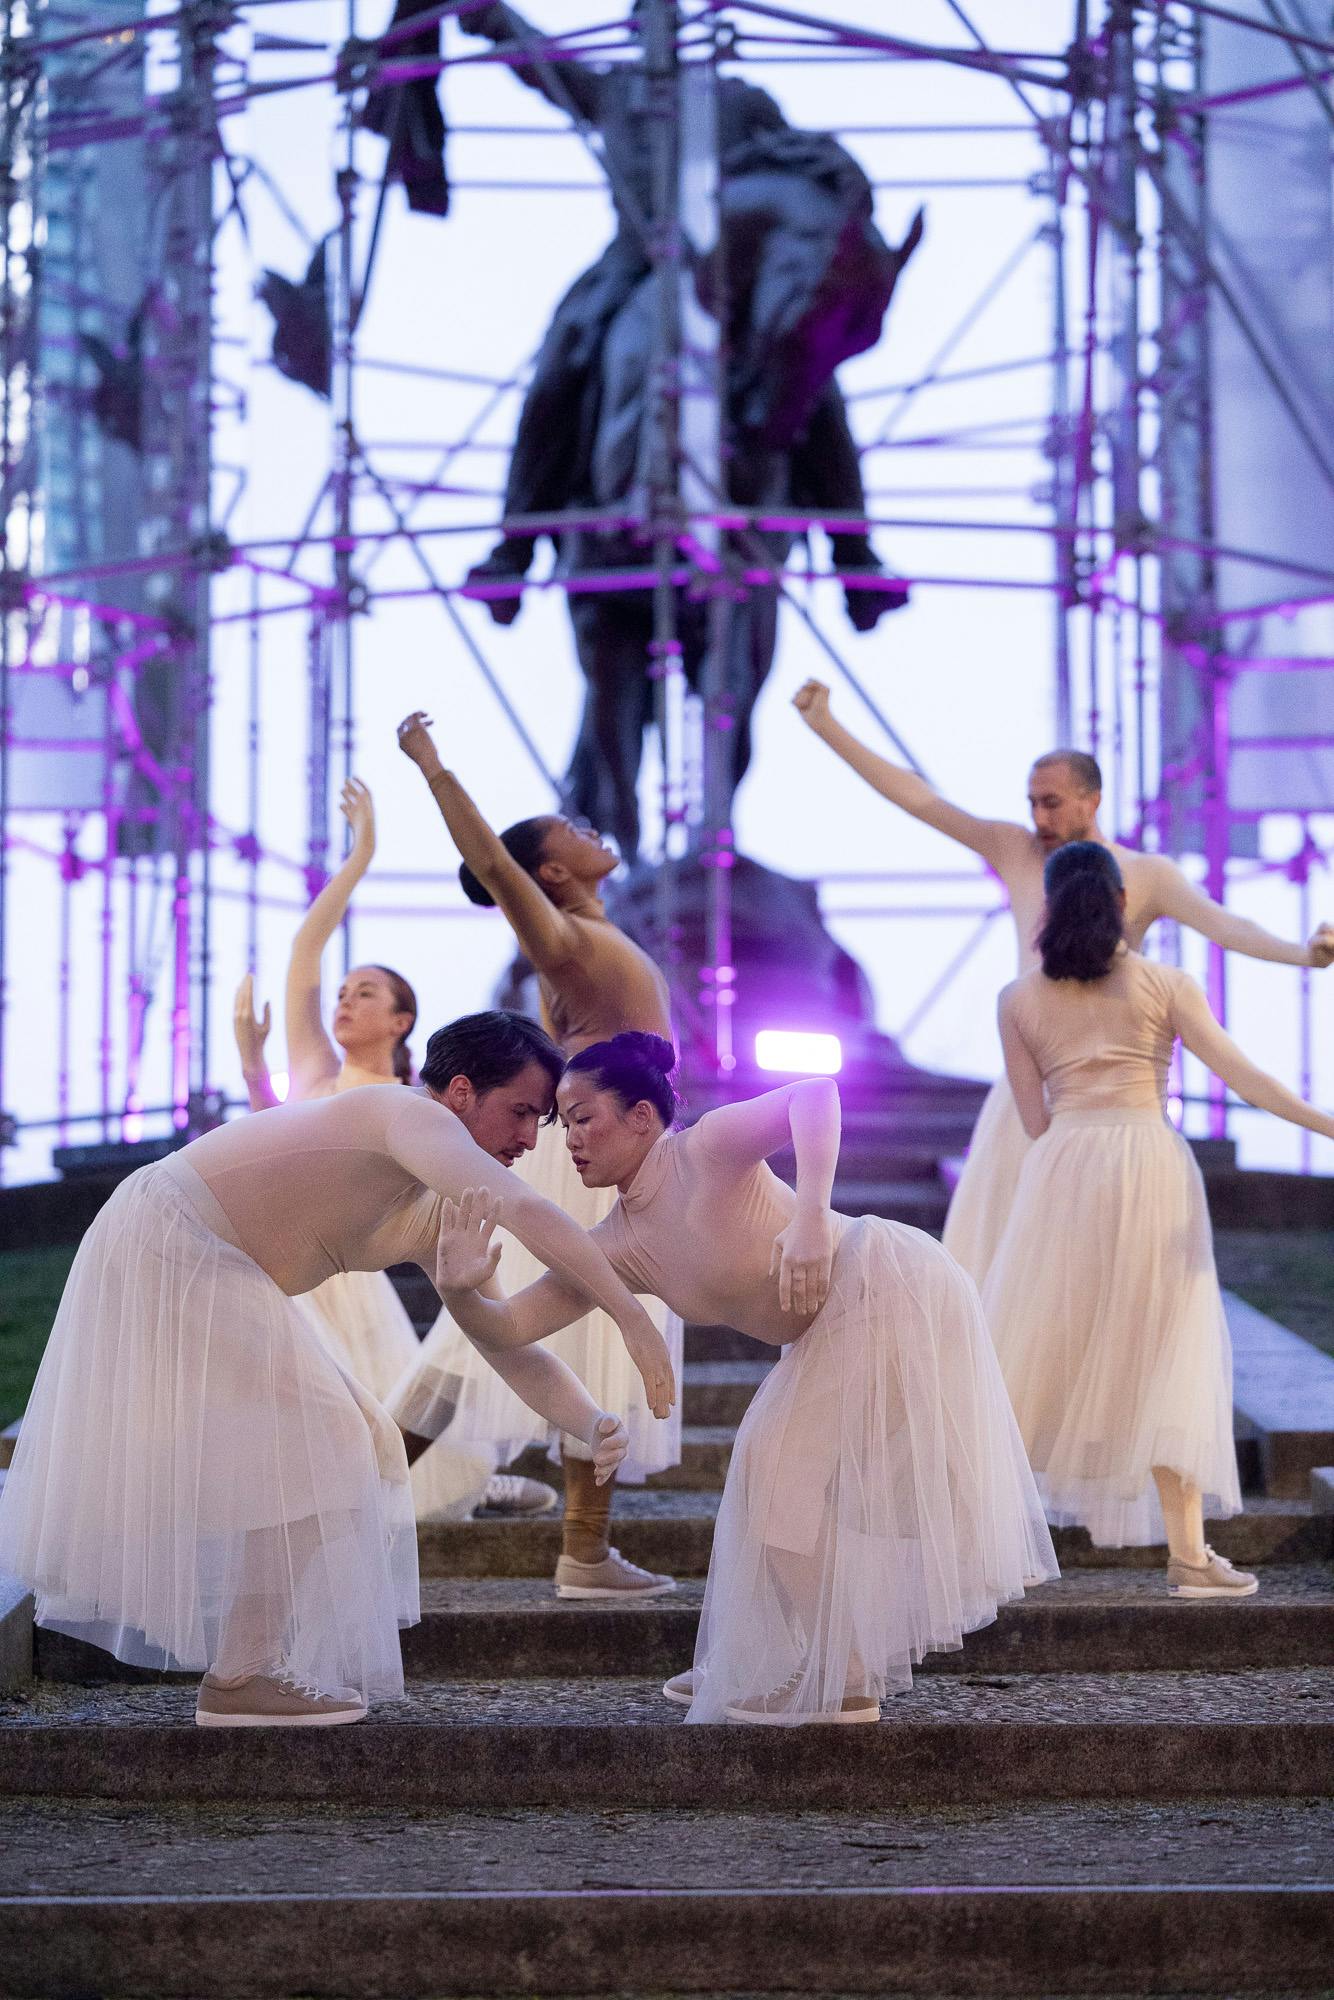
{"x":779,"y":1707}
{"x":281,"y":1699}
{"x":681,"y":1688}
{"x":1214,"y":1577}
{"x":509,"y":1493}
{"x":612,"y":1577}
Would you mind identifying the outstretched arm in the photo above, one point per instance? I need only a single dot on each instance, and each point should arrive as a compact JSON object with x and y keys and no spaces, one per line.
{"x":1202,"y":1035}
{"x":1023,"y":1072}
{"x":1179,"y":898}
{"x":545,"y":935}
{"x":251,"y":1033}
{"x":1000,"y":842}
{"x":809,"y":1116}
{"x":312,"y":1058}
{"x":571,"y":86}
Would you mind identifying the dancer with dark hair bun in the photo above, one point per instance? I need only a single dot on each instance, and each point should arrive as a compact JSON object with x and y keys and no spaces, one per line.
{"x":1103,"y":1297}
{"x":358,"y":1314}
{"x":1064,"y":793}
{"x":545,"y":875}
{"x":878,"y":1505}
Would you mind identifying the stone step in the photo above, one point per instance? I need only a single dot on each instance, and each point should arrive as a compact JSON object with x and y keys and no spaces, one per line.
{"x":951,"y":1740}
{"x":671,"y":1529}
{"x":719,"y":1392}
{"x":724,"y":1343}
{"x":1283,"y":1395}
{"x":1093,"y":1621}
{"x":1053,"y":1899}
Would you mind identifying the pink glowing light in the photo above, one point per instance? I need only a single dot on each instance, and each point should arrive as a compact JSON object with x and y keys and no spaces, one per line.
{"x":796,"y":1050}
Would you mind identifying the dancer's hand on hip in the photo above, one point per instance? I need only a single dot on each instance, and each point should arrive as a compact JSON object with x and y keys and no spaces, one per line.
{"x":465,"y":1256}
{"x":415,"y":741}
{"x":609,"y":1443}
{"x":803,"y":1261}
{"x":648,"y":1350}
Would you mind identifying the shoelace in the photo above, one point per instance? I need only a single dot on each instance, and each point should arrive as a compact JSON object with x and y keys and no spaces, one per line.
{"x":296,"y":1684}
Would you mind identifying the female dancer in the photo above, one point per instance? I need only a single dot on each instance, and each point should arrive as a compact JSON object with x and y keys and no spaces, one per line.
{"x":545,"y":875}
{"x":358,"y":1314}
{"x":878,"y":1504}
{"x":198,"y":1484}
{"x":1103,"y":1298}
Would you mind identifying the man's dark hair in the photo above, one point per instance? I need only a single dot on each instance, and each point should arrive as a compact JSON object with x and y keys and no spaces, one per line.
{"x":489,"y":1049}
{"x":525,"y":842}
{"x":1085,"y":770}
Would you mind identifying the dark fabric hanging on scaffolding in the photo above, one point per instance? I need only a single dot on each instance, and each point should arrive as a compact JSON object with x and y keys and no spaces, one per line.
{"x":408,"y":115}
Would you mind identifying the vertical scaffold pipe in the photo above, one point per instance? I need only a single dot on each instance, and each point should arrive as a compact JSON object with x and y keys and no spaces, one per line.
{"x":341,"y":655}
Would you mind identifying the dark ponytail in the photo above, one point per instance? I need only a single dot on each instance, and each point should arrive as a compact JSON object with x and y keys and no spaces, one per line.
{"x":525,"y":843}
{"x":1083,"y":924}
{"x":405,"y":1002}
{"x":636,"y":1068}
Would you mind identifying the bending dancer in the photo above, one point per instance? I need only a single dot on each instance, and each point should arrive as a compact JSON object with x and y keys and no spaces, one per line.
{"x":545,"y":875}
{"x":358,"y":1314}
{"x":1064,"y":790}
{"x":1103,"y":1298}
{"x":198,"y":1484}
{"x":878,"y":1504}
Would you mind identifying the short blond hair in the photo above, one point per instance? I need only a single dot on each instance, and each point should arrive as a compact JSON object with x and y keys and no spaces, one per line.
{"x":1085,"y":770}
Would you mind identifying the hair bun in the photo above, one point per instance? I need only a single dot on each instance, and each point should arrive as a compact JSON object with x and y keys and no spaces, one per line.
{"x":655,"y":1050}
{"x":474,"y":890}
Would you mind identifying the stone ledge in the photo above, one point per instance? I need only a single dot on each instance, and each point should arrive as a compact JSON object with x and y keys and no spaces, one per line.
{"x":1283,"y":1398}
{"x":16,"y":1630}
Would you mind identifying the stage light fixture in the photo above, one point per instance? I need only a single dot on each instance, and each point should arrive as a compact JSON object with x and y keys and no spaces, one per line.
{"x":798,"y":1052}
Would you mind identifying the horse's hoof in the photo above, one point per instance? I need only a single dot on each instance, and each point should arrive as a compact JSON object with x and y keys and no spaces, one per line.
{"x":865,"y":608}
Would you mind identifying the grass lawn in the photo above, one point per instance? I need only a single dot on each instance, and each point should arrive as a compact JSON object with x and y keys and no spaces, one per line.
{"x":31,"y":1282}
{"x":1290,"y":1276}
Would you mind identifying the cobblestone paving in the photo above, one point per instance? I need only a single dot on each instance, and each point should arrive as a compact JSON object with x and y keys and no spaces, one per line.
{"x":1271,"y":1697}
{"x":61,"y":1848}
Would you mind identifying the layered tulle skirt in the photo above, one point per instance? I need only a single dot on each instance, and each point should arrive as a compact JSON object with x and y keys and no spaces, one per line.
{"x":360,"y":1318}
{"x":197,"y":1482}
{"x":451,"y":1385}
{"x":879,"y":1504}
{"x":980,"y":1206}
{"x":1103,"y":1301}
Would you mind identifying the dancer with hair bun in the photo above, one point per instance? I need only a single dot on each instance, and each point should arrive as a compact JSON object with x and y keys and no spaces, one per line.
{"x":545,"y":876}
{"x":878,"y":1505}
{"x":1103,"y":1298}
{"x":1064,"y":793}
{"x":358,"y":1314}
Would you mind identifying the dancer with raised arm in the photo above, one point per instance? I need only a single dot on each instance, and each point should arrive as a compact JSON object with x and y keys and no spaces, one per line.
{"x":358,"y":1314}
{"x":545,"y":875}
{"x":1064,"y":791}
{"x":198,"y":1484}
{"x":878,"y":1505}
{"x":1103,"y":1298}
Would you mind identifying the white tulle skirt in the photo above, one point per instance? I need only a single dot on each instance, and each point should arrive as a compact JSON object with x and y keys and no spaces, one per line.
{"x":879,"y":1504}
{"x":360,"y":1318}
{"x":1104,"y":1305}
{"x":450,"y":1385}
{"x":980,"y":1206}
{"x":197,"y":1482}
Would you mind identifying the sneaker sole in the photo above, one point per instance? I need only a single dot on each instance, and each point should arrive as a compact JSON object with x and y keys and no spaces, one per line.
{"x":1213,"y":1590}
{"x":676,"y":1695}
{"x":855,"y":1715}
{"x":584,"y":1590}
{"x":206,"y":1721}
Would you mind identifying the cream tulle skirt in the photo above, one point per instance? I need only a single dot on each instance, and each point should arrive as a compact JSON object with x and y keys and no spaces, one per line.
{"x":981,"y":1203}
{"x":360,"y":1318}
{"x":879,"y":1504}
{"x":451,"y":1385}
{"x":1104,"y":1305}
{"x":197,"y":1483}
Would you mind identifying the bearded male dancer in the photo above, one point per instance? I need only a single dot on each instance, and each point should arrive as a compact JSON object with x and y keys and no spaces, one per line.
{"x":1064,"y":791}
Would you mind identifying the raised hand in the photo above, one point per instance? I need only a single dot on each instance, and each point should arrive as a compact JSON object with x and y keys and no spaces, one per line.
{"x":251,"y":1033}
{"x":358,"y":810}
{"x":465,"y":1256}
{"x":414,"y":740}
{"x":803,"y":1261}
{"x":1320,"y":951}
{"x":609,"y":1443}
{"x":811,"y":702}
{"x":648,"y":1350}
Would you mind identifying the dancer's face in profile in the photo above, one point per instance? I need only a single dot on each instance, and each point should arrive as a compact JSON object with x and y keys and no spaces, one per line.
{"x":366,"y":1017}
{"x":575,"y":858}
{"x":606,"y":1141}
{"x":503,"y":1121}
{"x":1061,"y":812}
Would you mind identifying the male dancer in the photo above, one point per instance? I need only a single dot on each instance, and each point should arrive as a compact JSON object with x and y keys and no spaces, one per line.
{"x":1064,"y":791}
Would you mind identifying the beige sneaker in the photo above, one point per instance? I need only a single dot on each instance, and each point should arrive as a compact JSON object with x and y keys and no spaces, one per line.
{"x":1214,"y":1577}
{"x":282,"y":1699}
{"x":778,"y":1707}
{"x":510,"y":1493}
{"x":612,"y":1577}
{"x":681,"y":1688}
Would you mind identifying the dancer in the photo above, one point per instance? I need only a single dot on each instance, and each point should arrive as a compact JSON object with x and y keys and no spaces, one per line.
{"x":1064,"y":790}
{"x":878,"y":1504}
{"x":358,"y":1314}
{"x":545,"y":875}
{"x":198,"y":1483}
{"x":1103,"y":1298}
